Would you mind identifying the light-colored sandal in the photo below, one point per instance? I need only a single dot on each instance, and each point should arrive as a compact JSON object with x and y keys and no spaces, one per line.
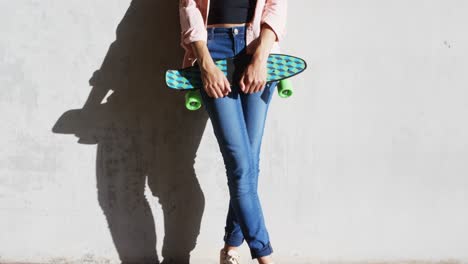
{"x":229,"y":257}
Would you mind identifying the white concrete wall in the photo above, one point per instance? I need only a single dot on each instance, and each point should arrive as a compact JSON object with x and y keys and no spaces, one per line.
{"x":366,"y":161}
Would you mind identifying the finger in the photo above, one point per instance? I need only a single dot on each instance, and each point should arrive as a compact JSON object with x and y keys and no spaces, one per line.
{"x":211,"y":94}
{"x":222,"y":89}
{"x":254,"y":87}
{"x":225,"y":92}
{"x":227,"y":85}
{"x":262,"y":86}
{"x":219,"y":91}
{"x":248,"y":86}
{"x":241,"y":83}
{"x":208,"y":92}
{"x":259,"y":87}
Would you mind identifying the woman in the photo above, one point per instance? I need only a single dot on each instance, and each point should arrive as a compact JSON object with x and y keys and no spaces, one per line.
{"x":222,"y":29}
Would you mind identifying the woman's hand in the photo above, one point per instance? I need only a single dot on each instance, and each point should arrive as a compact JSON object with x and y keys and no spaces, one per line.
{"x":215,"y":82}
{"x":254,"y":76}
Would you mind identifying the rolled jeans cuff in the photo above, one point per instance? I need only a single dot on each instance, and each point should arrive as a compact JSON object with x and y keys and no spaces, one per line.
{"x":233,"y":239}
{"x":267,"y":250}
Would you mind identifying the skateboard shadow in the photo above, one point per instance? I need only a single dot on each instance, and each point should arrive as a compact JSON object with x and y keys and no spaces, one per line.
{"x":143,"y":133}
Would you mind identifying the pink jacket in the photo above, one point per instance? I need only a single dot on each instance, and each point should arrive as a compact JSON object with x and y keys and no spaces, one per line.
{"x":194,"y":15}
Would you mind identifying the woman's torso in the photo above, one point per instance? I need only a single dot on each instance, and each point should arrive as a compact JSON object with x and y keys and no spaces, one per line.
{"x":230,"y":13}
{"x":252,"y":30}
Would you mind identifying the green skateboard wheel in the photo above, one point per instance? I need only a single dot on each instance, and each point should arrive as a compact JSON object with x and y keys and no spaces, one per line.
{"x":285,"y":88}
{"x":193,"y":100}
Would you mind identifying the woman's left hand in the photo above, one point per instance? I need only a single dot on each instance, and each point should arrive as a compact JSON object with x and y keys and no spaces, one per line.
{"x":254,"y":77}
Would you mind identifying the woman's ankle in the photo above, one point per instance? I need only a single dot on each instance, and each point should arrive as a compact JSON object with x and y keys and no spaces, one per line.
{"x":265,"y":260}
{"x":229,"y":247}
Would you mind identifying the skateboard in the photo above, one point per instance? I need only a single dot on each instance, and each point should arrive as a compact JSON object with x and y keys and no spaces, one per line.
{"x":280,"y":67}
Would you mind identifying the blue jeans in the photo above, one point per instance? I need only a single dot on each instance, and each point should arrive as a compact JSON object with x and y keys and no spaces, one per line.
{"x":238,"y":121}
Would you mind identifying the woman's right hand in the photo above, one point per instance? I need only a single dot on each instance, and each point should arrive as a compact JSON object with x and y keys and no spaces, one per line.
{"x":215,"y":82}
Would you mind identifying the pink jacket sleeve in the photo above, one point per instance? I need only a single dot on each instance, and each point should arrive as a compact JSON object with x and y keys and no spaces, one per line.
{"x":191,"y":22}
{"x":274,"y":14}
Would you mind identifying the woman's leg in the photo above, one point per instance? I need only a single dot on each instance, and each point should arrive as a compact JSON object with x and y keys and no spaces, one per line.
{"x":230,"y":128}
{"x":227,"y":118}
{"x":255,"y":108}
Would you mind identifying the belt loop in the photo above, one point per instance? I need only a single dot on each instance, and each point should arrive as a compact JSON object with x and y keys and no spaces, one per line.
{"x":210,"y":32}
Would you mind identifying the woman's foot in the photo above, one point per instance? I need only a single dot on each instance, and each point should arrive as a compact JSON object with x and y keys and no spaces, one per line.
{"x":228,"y":256}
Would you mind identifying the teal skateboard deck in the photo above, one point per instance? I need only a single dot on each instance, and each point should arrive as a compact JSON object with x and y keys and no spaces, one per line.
{"x":280,"y":67}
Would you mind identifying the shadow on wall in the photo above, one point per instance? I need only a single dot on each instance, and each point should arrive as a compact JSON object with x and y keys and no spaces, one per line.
{"x":143,"y":130}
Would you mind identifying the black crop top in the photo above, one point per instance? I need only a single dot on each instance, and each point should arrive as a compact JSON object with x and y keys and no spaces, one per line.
{"x":231,"y":11}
